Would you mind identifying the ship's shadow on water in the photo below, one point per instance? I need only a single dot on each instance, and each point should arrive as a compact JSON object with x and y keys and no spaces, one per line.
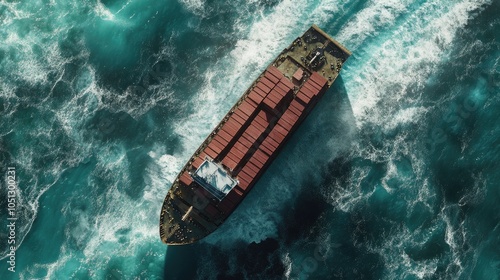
{"x":324,"y":137}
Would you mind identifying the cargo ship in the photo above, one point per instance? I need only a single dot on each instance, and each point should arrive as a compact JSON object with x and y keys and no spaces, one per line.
{"x":239,"y":150}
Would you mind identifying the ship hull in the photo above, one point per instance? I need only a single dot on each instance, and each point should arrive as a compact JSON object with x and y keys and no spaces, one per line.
{"x":240,"y":149}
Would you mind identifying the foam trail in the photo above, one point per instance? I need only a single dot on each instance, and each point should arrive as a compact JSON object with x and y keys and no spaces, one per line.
{"x":403,"y":61}
{"x":195,"y":6}
{"x":372,"y":20}
{"x":384,"y":82}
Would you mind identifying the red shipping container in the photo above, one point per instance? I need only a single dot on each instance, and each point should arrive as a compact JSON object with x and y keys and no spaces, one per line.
{"x":246,"y":177}
{"x":225,"y":135}
{"x":250,"y":166}
{"x":256,"y":163}
{"x":275,"y":96}
{"x":202,"y":155}
{"x":269,"y":103}
{"x":266,"y":149}
{"x":283,"y":87}
{"x":276,"y":136}
{"x":303,"y":98}
{"x":252,"y":132}
{"x":263,"y":115}
{"x":275,"y":72}
{"x":229,"y":163}
{"x":259,"y":91}
{"x":230,"y":131}
{"x":240,"y":147}
{"x":246,"y":109}
{"x":261,"y":156}
{"x":261,"y":120}
{"x":238,"y":119}
{"x":237,"y":153}
{"x":269,"y":117}
{"x":260,"y":129}
{"x":290,"y":119}
{"x":197,"y":162}
{"x":274,"y":143}
{"x":251,"y":103}
{"x":281,"y":130}
{"x":220,"y":140}
{"x":297,"y":105}
{"x":263,"y":87}
{"x":271,"y":77}
{"x":242,"y":176}
{"x":287,"y":83}
{"x":218,"y":144}
{"x":294,"y":110}
{"x":291,"y":116}
{"x":232,"y":157}
{"x":308,"y":92}
{"x":236,"y":125}
{"x":310,"y":87}
{"x":261,"y":124}
{"x":211,"y":153}
{"x":271,"y":147}
{"x":253,"y":166}
{"x":285,"y":125}
{"x":281,"y":92}
{"x":267,"y":82}
{"x":243,"y":185}
{"x":249,"y":172}
{"x":248,"y":138}
{"x":254,"y":96}
{"x":287,"y":118}
{"x":186,"y":178}
{"x":247,"y":143}
{"x":298,"y":74}
{"x":213,"y":145}
{"x":239,"y":113}
{"x":269,"y":142}
{"x":318,"y":79}
{"x":313,"y":84}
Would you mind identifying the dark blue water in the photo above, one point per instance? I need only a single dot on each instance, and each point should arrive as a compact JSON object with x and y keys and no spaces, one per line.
{"x":393,"y":176}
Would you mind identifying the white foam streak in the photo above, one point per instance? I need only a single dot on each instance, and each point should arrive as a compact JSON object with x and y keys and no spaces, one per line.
{"x":376,"y":16}
{"x":197,"y":7}
{"x":402,"y":61}
{"x":103,"y":12}
{"x":383,"y":80}
{"x":405,"y":116}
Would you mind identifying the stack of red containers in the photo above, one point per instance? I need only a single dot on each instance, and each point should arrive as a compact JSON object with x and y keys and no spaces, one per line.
{"x":248,"y":140}
{"x":310,"y":89}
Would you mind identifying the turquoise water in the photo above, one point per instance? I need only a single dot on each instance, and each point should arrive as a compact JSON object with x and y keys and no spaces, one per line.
{"x":393,"y":176}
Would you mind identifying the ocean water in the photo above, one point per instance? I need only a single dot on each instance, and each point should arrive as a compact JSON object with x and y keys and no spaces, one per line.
{"x":394,"y":175}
